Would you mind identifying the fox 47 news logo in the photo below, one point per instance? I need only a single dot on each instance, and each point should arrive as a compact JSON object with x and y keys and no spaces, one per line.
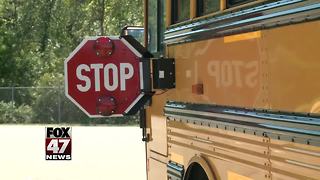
{"x":58,"y":143}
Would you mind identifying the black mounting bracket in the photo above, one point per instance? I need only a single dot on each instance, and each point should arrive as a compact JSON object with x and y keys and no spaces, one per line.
{"x":163,"y":73}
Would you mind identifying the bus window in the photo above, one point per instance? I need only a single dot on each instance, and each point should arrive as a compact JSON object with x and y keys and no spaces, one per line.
{"x":205,"y":7}
{"x":231,"y":3}
{"x":180,"y":10}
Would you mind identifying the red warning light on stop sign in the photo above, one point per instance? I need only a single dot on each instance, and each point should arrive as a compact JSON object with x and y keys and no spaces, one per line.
{"x":103,"y":76}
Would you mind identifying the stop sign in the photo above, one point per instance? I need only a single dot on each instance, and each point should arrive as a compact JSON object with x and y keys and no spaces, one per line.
{"x":104,"y":76}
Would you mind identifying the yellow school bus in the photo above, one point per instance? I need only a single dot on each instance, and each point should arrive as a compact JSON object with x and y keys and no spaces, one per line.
{"x":244,"y":100}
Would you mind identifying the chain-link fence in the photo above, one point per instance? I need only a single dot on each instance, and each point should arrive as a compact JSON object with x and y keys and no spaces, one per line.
{"x":46,"y":105}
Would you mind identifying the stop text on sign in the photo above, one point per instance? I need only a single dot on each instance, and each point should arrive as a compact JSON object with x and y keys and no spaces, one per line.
{"x":104,"y":76}
{"x":119,"y":76}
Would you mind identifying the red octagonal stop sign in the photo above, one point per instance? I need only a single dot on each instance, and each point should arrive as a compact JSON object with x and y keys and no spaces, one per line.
{"x":104,"y":76}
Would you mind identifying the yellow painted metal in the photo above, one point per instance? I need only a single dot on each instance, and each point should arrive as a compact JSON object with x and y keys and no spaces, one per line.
{"x":246,"y":155}
{"x":276,"y":69}
{"x":230,"y":74}
{"x":223,"y":5}
{"x":168,"y":13}
{"x":178,"y":158}
{"x":295,"y":158}
{"x":235,"y":176}
{"x":242,"y":37}
{"x":157,"y":125}
{"x":193,"y":9}
{"x":273,"y":71}
{"x":222,"y":150}
{"x":293,"y":67}
{"x":268,"y":69}
{"x":156,"y":170}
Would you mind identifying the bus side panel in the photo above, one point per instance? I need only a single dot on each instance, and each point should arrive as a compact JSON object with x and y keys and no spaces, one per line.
{"x":231,"y":71}
{"x":275,"y":69}
{"x":293,"y":67}
{"x":269,"y":69}
{"x":230,"y":155}
{"x":157,"y":125}
{"x":156,"y":170}
{"x":293,"y":157}
{"x":157,"y":150}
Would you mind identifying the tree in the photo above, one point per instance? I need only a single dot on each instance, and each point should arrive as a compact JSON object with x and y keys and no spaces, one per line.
{"x":36,"y":36}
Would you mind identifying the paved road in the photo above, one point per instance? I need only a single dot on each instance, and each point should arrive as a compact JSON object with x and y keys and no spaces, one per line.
{"x":98,"y":153}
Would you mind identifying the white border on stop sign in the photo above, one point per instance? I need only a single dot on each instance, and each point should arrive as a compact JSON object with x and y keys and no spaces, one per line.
{"x":84,"y":41}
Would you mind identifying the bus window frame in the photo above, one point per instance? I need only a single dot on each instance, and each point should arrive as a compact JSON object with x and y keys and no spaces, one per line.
{"x":205,"y":25}
{"x":223,"y":9}
{"x":228,"y":5}
{"x":197,"y":8}
{"x":174,"y":15}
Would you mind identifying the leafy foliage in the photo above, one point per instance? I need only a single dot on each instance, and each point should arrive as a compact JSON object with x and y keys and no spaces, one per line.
{"x":35,"y":38}
{"x":10,"y":113}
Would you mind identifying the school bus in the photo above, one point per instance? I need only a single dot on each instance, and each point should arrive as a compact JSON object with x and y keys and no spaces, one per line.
{"x":243,"y":101}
